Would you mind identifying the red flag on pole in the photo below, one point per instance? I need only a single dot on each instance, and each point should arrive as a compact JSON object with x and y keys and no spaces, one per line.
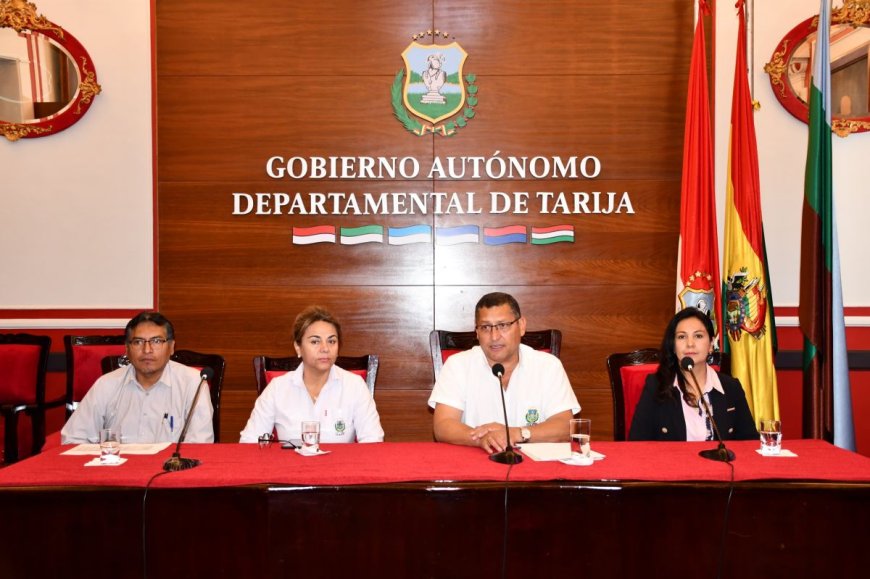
{"x":698,"y":255}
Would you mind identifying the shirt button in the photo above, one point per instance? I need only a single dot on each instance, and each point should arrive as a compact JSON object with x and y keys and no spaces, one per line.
{"x":664,"y":430}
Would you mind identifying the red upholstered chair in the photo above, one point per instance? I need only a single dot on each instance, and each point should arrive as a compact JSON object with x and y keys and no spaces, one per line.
{"x":84,"y":356}
{"x":628,"y":372}
{"x":23,"y":364}
{"x":444,"y":344}
{"x":266,"y":369}
{"x":195,"y":360}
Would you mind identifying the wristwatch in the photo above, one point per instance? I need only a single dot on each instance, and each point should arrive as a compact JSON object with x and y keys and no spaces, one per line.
{"x":525,"y":434}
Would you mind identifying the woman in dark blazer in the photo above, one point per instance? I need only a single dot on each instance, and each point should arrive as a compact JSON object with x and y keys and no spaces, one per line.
{"x":669,"y":407}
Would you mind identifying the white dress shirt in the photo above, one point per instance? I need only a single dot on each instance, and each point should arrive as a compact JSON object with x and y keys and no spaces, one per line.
{"x":344,"y":408}
{"x":156,"y":414}
{"x":538,"y":388}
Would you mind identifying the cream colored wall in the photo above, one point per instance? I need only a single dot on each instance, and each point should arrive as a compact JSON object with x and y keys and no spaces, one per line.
{"x":76,"y":220}
{"x":782,"y":142}
{"x":76,"y":208}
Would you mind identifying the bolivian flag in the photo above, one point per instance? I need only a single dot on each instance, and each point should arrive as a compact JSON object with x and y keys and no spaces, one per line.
{"x":748,"y":310}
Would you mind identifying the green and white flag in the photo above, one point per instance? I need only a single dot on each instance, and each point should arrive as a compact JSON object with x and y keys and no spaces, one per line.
{"x":826,"y":395}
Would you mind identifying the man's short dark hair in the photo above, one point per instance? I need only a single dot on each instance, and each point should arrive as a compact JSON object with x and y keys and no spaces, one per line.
{"x":495,"y":299}
{"x":155,"y":318}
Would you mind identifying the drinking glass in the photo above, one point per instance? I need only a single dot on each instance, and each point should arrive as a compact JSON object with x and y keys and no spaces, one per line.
{"x":580,"y":430}
{"x":110,"y":446}
{"x":310,"y":436}
{"x":771,"y":436}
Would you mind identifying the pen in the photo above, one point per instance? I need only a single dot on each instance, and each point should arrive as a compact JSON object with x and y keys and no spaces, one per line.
{"x":171,"y":424}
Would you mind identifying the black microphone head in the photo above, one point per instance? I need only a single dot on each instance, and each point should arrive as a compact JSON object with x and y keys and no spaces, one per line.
{"x":497,"y":370}
{"x":687,"y":363}
{"x":206,"y":373}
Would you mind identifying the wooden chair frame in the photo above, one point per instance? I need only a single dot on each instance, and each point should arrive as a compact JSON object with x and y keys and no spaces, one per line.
{"x":190,"y":358}
{"x":439,"y":340}
{"x":368,"y":362}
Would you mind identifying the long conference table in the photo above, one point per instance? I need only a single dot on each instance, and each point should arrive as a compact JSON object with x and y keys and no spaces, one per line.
{"x":416,"y":510}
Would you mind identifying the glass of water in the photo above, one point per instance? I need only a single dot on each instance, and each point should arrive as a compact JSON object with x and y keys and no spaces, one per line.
{"x":310,"y":437}
{"x":771,"y":436}
{"x":580,"y":430}
{"x":110,"y":446}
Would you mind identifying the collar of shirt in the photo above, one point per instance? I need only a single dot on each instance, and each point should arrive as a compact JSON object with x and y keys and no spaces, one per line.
{"x":299,"y":383}
{"x":712,"y":382}
{"x":165,"y":378}
{"x":521,"y":352}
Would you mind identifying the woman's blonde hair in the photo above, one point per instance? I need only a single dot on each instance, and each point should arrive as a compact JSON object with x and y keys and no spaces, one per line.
{"x":311,"y":315}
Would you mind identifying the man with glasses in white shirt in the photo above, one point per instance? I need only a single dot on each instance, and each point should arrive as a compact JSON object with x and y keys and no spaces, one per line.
{"x":538,"y":395}
{"x":148,"y":399}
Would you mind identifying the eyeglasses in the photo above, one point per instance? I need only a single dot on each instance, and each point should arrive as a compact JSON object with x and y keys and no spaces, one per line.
{"x":266,"y":440}
{"x":156,"y":343}
{"x":501,"y":327}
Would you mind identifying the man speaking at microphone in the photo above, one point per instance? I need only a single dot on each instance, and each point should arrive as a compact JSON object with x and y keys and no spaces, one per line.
{"x":466,"y":397}
{"x":148,"y":399}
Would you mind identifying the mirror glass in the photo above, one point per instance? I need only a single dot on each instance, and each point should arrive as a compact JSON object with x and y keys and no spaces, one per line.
{"x":38,"y":78}
{"x":47,"y":79}
{"x":849,"y":79}
{"x":791,"y":65}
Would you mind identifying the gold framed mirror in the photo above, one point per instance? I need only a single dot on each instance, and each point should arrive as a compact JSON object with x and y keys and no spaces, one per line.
{"x":47,"y":78}
{"x":790,"y":68}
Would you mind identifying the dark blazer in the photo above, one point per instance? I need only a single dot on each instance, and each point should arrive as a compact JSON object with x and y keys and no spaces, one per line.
{"x":657,"y":419}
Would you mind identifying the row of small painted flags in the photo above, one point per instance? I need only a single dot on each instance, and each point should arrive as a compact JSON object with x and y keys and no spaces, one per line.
{"x":423,"y":234}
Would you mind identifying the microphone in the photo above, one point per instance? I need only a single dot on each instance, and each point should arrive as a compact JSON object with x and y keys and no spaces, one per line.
{"x":175,"y":462}
{"x":508,"y":455}
{"x":720,"y":453}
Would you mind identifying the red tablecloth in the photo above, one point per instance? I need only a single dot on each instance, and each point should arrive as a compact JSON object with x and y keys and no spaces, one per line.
{"x":346,"y":464}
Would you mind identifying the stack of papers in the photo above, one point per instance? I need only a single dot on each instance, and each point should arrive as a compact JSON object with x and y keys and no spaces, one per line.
{"x":134,"y":448}
{"x":546,"y":450}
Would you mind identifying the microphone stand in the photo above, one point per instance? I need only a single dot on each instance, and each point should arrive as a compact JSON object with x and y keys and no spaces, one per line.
{"x":508,"y":455}
{"x":720,"y":453}
{"x":175,"y":462}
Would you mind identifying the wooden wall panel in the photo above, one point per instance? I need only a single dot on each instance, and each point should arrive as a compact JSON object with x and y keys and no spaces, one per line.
{"x":331,"y":38}
{"x":218,"y":245}
{"x":226,"y":128}
{"x":627,"y":122}
{"x":620,"y":37}
{"x":239,"y":83}
{"x":341,"y":37}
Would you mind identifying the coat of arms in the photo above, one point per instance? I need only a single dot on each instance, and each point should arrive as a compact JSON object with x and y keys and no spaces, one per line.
{"x":745,"y":305}
{"x":433,"y":88}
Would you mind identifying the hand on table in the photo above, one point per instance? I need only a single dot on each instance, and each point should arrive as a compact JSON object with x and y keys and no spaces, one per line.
{"x":490,"y":437}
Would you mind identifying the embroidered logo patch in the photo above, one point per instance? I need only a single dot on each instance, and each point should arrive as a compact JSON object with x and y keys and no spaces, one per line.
{"x":532,"y":416}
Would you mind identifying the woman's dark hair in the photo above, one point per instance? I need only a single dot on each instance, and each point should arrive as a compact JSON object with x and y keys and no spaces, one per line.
{"x":668,"y":363}
{"x":311,"y":315}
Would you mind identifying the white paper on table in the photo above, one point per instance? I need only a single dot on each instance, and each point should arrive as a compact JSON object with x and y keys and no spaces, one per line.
{"x":782,"y":454}
{"x":96,"y":462}
{"x":546,"y":450}
{"x":131,"y":448}
{"x":303,"y":452}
